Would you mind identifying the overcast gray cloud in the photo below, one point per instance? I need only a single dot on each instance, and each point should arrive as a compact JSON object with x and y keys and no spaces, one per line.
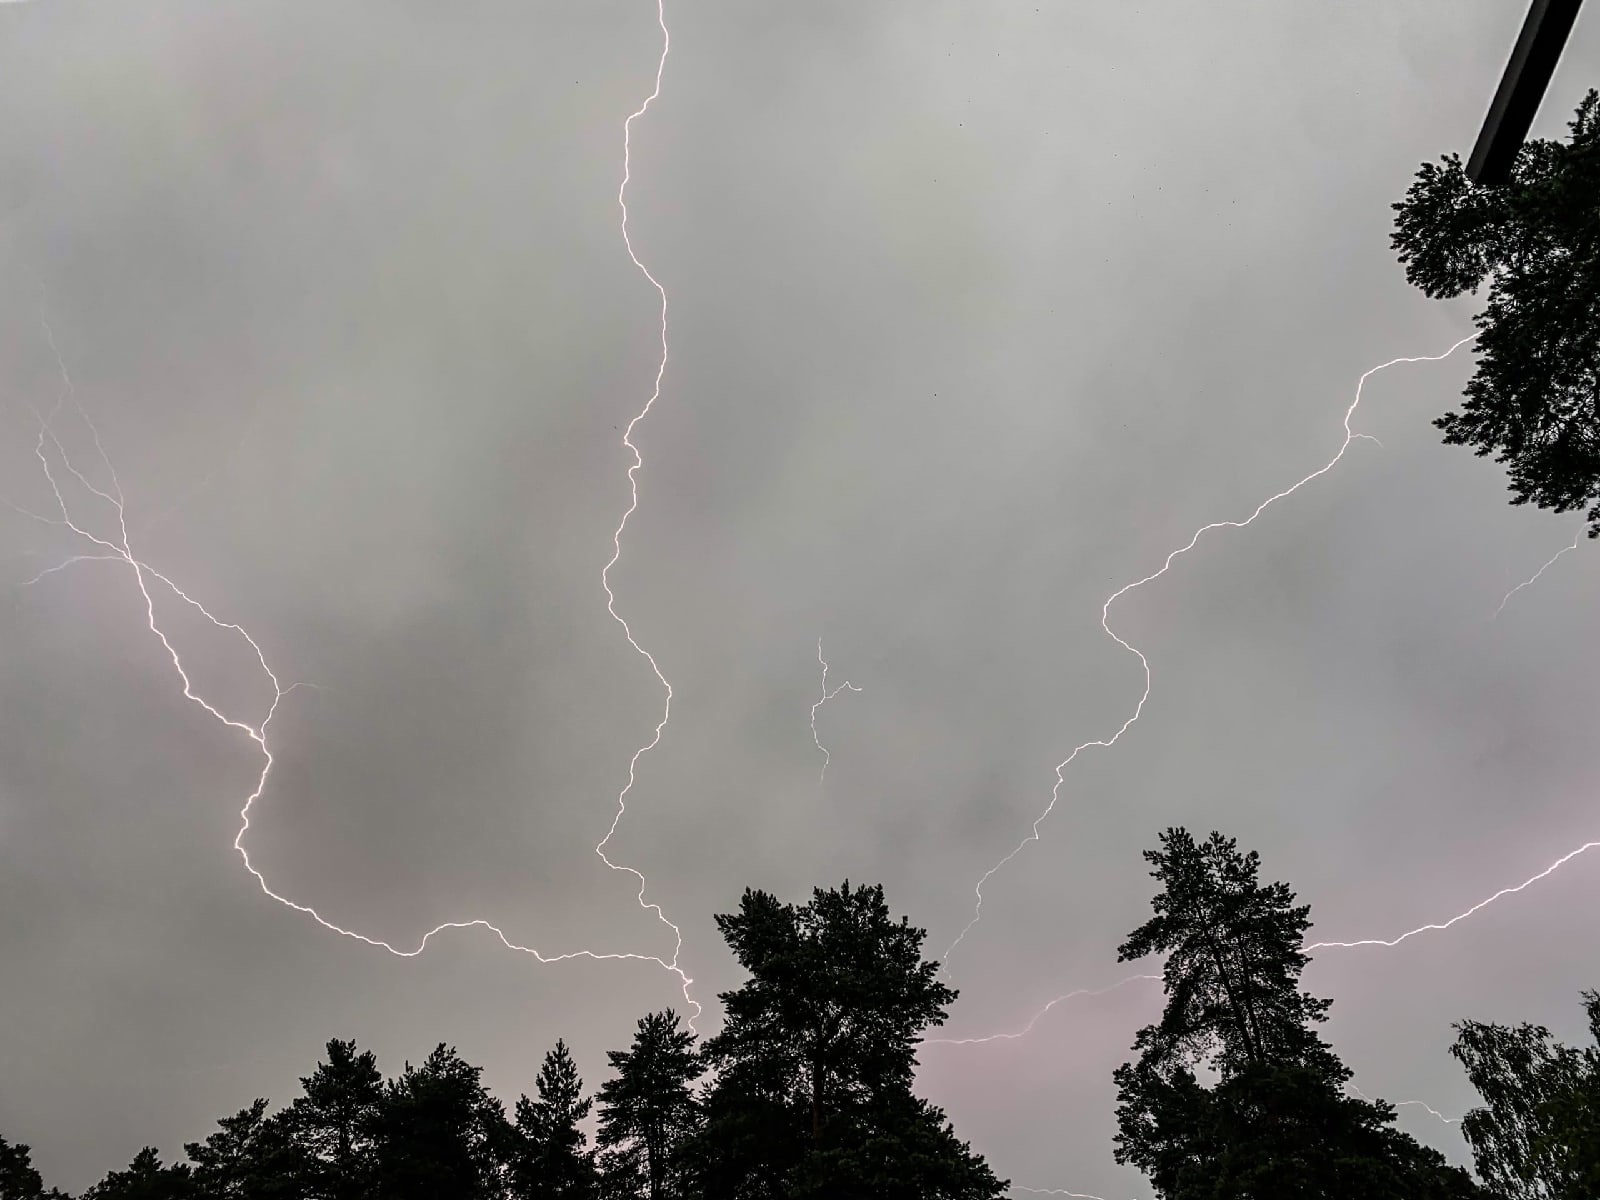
{"x":977,"y":312}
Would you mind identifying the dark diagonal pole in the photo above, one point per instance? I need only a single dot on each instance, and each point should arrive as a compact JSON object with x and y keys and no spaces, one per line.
{"x":1533,"y":61}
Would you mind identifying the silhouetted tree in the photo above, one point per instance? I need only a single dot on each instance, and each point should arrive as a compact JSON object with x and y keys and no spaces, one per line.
{"x":1538,"y":1135}
{"x":648,"y":1109}
{"x":1534,"y":401}
{"x":816,"y":1057}
{"x":1277,"y":1122}
{"x":551,"y":1160}
{"x":252,"y":1156}
{"x":19,"y":1180}
{"x":145,"y":1179}
{"x":332,"y":1122}
{"x":437,"y":1132}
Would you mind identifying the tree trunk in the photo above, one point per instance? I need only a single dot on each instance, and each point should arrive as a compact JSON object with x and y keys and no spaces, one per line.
{"x":654,"y":1155}
{"x":1233,"y":1001}
{"x":816,"y":1098}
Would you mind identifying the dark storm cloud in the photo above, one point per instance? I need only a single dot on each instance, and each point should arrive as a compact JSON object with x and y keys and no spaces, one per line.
{"x":977,"y":312}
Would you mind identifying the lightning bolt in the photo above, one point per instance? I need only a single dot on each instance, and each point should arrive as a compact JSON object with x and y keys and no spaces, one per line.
{"x":119,"y":548}
{"x":1054,"y":1192}
{"x":1033,"y":836}
{"x":1460,"y":916}
{"x":1144,"y":663}
{"x":1386,"y":942}
{"x":821,"y":700}
{"x":633,"y":504}
{"x":1406,"y":1104}
{"x":1037,"y":1017}
{"x":1534,"y":578}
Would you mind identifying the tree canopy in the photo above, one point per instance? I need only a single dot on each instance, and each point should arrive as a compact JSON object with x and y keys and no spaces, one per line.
{"x":551,"y":1160}
{"x":1534,"y":401}
{"x":19,"y":1180}
{"x":648,"y":1109}
{"x":808,"y":1096}
{"x":806,"y":1093}
{"x":815,"y":1060}
{"x":1276,"y":1122}
{"x":1537,"y":1135}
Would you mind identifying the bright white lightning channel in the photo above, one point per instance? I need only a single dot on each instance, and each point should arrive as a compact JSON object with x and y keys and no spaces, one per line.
{"x":118,"y":548}
{"x":1144,"y":663}
{"x":1386,"y":942}
{"x":822,"y":699}
{"x":1350,"y":436}
{"x":1463,"y":915}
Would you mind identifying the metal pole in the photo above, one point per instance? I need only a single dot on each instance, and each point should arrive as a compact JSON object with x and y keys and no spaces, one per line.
{"x":1533,"y":61}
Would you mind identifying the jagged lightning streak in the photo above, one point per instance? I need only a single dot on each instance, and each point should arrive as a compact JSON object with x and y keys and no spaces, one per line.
{"x":821,"y":700}
{"x":633,"y":504}
{"x":1387,"y":942}
{"x":1405,"y":1104}
{"x":1460,"y":916}
{"x":1534,"y":578}
{"x":1054,"y":1192}
{"x":1144,"y":663}
{"x":121,"y":550}
{"x":1037,"y":1017}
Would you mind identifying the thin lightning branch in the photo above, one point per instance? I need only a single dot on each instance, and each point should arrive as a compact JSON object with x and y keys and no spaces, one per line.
{"x":1054,"y":1192}
{"x":1427,"y":1107}
{"x":65,"y":563}
{"x":120,"y":549}
{"x":1405,"y":1103}
{"x":1144,"y":663}
{"x":821,"y":700}
{"x":1461,"y":916}
{"x":1534,"y":578}
{"x":1037,"y":1017}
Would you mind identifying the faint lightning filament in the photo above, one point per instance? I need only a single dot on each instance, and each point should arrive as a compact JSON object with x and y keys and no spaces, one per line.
{"x":822,"y":699}
{"x":1404,"y":1104}
{"x":1534,"y":578}
{"x":1037,"y":1017}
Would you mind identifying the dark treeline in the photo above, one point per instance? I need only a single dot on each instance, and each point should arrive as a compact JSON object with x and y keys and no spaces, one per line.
{"x":806,"y":1091}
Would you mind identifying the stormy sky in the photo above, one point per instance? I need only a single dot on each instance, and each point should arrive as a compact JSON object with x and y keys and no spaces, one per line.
{"x":977,"y":311}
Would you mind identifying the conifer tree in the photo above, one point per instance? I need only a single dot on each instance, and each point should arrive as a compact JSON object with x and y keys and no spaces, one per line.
{"x":1277,"y":1122}
{"x":19,"y":1180}
{"x":648,"y":1109}
{"x":552,"y":1160}
{"x":437,"y":1132}
{"x":815,"y":1060}
{"x":332,"y":1122}
{"x":252,"y":1156}
{"x":146,"y":1179}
